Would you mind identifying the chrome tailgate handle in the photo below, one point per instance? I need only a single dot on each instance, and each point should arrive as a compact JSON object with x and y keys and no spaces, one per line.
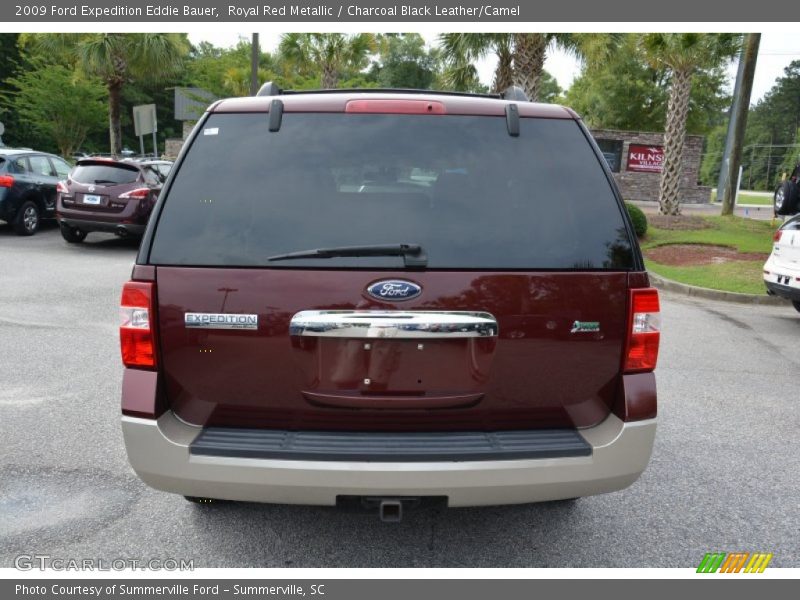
{"x":393,"y":324}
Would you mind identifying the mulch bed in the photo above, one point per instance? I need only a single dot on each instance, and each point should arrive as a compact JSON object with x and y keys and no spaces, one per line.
{"x":679,"y":255}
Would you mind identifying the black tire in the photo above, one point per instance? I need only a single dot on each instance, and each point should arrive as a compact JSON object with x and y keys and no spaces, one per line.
{"x":785,"y":198}
{"x":72,"y":235}
{"x":796,"y":304}
{"x":28,"y":218}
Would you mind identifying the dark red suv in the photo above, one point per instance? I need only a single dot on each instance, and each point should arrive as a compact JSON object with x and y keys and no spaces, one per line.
{"x":113,"y":196}
{"x":390,"y":296}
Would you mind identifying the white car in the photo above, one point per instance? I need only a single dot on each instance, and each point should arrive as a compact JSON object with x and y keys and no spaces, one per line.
{"x":782,"y":269}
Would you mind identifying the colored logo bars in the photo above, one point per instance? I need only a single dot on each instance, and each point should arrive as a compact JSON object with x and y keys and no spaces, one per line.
{"x":735,"y":562}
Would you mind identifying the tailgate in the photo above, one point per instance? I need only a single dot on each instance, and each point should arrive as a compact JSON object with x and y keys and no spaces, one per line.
{"x":786,"y":252}
{"x":310,"y":349}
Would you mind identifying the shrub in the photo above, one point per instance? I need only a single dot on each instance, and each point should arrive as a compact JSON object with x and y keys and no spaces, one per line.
{"x":638,"y":219}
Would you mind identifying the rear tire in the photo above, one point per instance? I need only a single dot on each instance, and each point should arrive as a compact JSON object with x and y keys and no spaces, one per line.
{"x":71,"y":234}
{"x":27,"y":219}
{"x":796,"y":304}
{"x":785,"y":198}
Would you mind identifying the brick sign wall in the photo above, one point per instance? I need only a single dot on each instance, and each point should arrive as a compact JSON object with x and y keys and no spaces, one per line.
{"x":635,"y":155}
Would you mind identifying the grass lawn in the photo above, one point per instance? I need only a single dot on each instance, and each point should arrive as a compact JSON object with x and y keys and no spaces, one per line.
{"x":747,"y":198}
{"x":746,"y":235}
{"x":735,"y":276}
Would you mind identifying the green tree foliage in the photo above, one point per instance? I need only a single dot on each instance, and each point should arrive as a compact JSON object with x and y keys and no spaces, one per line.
{"x":712,"y":155}
{"x":772,"y":137}
{"x":638,"y":219}
{"x":625,"y":92}
{"x":549,"y":90}
{"x":60,"y":105}
{"x":9,"y":52}
{"x":404,"y":62}
{"x":226,"y":71}
{"x":334,"y":57}
{"x":460,"y":51}
{"x":520,"y":56}
{"x":117,"y":59}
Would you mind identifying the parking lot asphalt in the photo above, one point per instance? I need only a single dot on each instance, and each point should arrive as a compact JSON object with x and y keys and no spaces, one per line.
{"x":723,"y":477}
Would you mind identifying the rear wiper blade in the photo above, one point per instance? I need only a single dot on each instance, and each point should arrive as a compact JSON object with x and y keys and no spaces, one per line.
{"x":102,"y":181}
{"x":413,"y":254}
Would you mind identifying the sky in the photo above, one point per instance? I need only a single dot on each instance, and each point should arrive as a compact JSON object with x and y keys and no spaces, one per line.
{"x":776,"y":51}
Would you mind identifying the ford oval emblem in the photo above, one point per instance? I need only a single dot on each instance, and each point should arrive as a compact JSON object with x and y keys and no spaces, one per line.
{"x":394,"y":290}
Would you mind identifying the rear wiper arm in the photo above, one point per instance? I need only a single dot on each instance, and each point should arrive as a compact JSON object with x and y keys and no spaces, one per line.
{"x":413,"y":254}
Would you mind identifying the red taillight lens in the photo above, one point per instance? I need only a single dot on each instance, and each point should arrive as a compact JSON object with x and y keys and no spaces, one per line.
{"x":61,"y":187}
{"x":6,"y":181}
{"x":644,"y":331}
{"x":777,"y":236}
{"x":136,"y":329}
{"x":137,"y":193}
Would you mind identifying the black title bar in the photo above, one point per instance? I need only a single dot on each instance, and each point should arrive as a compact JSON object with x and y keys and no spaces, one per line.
{"x":438,"y":11}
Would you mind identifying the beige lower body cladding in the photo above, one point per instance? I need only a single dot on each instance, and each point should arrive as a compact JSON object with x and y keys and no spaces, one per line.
{"x":159,"y":452}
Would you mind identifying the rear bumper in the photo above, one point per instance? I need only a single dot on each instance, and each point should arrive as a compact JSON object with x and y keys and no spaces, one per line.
{"x":782,"y":280}
{"x":159,"y":452}
{"x":108,"y":227}
{"x":783,"y":291}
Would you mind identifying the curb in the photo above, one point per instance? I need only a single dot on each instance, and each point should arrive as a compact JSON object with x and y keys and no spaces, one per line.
{"x":698,"y":292}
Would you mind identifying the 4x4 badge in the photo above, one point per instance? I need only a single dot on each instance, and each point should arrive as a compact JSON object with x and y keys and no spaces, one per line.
{"x":585,"y":327}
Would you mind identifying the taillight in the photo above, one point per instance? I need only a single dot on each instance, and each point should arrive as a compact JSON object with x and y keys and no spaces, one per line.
{"x":6,"y":181}
{"x":61,"y":187}
{"x":138,"y":193}
{"x":136,"y":329}
{"x":777,"y":236}
{"x":644,"y":327}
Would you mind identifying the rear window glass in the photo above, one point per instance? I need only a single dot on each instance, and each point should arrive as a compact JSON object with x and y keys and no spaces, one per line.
{"x":162,"y":169}
{"x":105,"y":174}
{"x":471,"y":195}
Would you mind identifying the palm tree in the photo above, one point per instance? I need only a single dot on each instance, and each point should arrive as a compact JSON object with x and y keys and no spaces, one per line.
{"x":330,"y":54}
{"x":681,"y":55}
{"x":463,"y":49}
{"x":521,"y":56}
{"x":118,"y":58}
{"x":530,"y":52}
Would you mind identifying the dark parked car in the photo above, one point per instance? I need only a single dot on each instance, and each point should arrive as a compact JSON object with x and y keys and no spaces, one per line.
{"x":28,"y":182}
{"x":114,"y":196}
{"x":389,"y":296}
{"x":787,"y":195}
